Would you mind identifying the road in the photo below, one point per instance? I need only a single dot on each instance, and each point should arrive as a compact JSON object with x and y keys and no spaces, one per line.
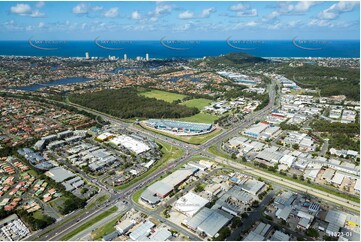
{"x":56,"y":231}
{"x":85,"y":235}
{"x":287,"y":183}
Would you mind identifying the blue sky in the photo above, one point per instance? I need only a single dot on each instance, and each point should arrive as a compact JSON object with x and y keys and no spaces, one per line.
{"x":179,"y":20}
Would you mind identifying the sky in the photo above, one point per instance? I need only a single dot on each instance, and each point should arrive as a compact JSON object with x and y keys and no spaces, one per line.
{"x":206,"y":20}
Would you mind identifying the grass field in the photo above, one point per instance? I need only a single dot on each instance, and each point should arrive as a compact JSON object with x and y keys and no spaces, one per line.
{"x":162,"y":95}
{"x":199,"y":103}
{"x":38,"y":215}
{"x":108,"y":228}
{"x":90,"y":223}
{"x":58,"y":203}
{"x":200,"y":118}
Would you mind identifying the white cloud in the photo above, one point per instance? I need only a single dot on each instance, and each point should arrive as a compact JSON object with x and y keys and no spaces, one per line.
{"x":186,"y":15}
{"x":238,"y":7}
{"x":287,"y":8}
{"x":243,"y":10}
{"x":247,"y":13}
{"x":251,"y":24}
{"x":162,"y":9}
{"x":207,"y":12}
{"x":303,"y":6}
{"x":41,"y":25}
{"x":336,"y":9}
{"x":81,"y":8}
{"x":111,"y":13}
{"x":25,"y":10}
{"x":21,"y":9}
{"x":183,"y":27}
{"x":136,"y":15}
{"x":190,"y":15}
{"x":36,"y":14}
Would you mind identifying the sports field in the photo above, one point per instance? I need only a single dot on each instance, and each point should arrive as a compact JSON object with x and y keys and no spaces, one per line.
{"x":200,"y":118}
{"x":162,"y":95}
{"x":199,"y":103}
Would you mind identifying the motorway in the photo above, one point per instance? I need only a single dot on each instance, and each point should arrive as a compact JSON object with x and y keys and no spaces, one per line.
{"x":58,"y":230}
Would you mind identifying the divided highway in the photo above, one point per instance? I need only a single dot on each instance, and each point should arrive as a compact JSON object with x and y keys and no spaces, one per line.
{"x":56,"y":231}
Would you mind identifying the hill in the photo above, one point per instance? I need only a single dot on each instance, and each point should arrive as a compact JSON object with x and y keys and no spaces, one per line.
{"x":230,"y":59}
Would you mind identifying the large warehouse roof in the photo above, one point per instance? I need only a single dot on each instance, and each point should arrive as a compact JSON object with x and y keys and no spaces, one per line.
{"x":209,"y":221}
{"x":130,"y":143}
{"x":179,"y":125}
{"x":190,"y":204}
{"x":252,"y":186}
{"x":59,"y":174}
{"x":165,"y":186}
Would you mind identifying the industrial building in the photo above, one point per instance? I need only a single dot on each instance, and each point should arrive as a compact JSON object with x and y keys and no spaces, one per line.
{"x":142,"y":231}
{"x":253,"y":186}
{"x":234,"y":201}
{"x":190,"y":204}
{"x":59,"y":174}
{"x":129,"y":143}
{"x":259,"y":233}
{"x":208,"y":221}
{"x":165,"y":186}
{"x":179,"y":127}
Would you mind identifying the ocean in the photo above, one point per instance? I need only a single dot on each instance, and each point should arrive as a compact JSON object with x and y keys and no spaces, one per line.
{"x":168,"y":49}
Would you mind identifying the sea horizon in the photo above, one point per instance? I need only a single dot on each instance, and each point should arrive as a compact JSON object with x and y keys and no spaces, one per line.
{"x":181,"y":49}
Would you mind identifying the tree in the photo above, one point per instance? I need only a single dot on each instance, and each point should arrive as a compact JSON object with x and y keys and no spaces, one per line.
{"x":199,"y":187}
{"x":233,"y":156}
{"x":236,"y":222}
{"x":296,"y":146}
{"x":312,"y":232}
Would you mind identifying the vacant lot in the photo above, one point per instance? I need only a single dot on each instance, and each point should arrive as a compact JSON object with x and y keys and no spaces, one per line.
{"x":199,"y":103}
{"x":201,"y":118}
{"x":162,"y":95}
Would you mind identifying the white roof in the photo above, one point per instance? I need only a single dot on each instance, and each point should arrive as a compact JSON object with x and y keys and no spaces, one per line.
{"x":190,"y":204}
{"x":338,"y":178}
{"x":257,"y":128}
{"x":130,"y":143}
{"x":288,"y":160}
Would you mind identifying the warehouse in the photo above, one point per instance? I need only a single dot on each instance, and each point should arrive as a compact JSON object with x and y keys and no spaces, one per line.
{"x":328,"y":174}
{"x":59,"y":174}
{"x":253,"y":186}
{"x":337,"y":179}
{"x":234,"y":201}
{"x":104,"y":136}
{"x":255,"y":130}
{"x":287,"y":160}
{"x":280,"y":236}
{"x":190,"y":204}
{"x":143,"y":230}
{"x":163,"y":187}
{"x":270,"y":156}
{"x":208,"y":221}
{"x":179,"y":127}
{"x":131,"y":144}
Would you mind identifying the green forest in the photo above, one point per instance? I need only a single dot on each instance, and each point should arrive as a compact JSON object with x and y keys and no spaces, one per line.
{"x":341,"y":136}
{"x":329,"y":80}
{"x":126,"y":103}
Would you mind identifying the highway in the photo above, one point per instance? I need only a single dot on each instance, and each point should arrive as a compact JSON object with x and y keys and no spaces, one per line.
{"x":56,"y":232}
